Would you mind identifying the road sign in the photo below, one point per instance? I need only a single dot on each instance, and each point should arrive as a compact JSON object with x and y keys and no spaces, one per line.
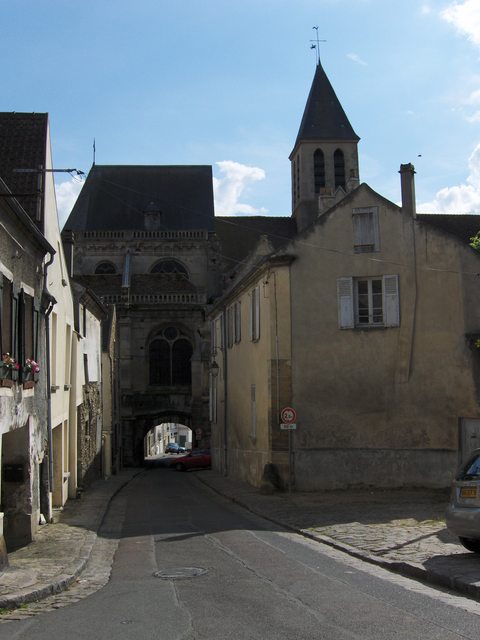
{"x":288,"y":415}
{"x":288,"y":427}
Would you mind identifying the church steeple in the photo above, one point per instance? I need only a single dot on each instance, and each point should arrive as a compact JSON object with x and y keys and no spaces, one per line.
{"x":324,"y":158}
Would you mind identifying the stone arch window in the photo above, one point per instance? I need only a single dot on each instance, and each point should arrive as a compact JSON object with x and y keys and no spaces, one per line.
{"x":170,"y":266}
{"x":339,"y":168}
{"x":319,"y":170}
{"x":105,"y":268}
{"x":170,"y":354}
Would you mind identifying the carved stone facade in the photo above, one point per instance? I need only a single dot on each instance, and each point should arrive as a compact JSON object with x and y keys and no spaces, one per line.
{"x":157,"y":264}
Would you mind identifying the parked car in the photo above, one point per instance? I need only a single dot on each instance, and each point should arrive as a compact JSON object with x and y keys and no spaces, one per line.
{"x":173,"y":447}
{"x":463,"y":512}
{"x":196,"y":459}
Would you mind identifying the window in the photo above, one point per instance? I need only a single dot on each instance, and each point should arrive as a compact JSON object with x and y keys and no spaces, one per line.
{"x":170,"y":266}
{"x":339,"y":168}
{"x":368,"y":302}
{"x":238,"y":322}
{"x":213,"y":399}
{"x":319,"y":170}
{"x":6,"y":315}
{"x":170,"y":354}
{"x":105,"y":268}
{"x":365,"y":229}
{"x":27,"y":328}
{"x":230,"y":326}
{"x":255,"y":314}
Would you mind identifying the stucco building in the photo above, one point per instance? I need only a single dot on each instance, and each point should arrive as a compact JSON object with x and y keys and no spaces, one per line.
{"x":364,"y":322}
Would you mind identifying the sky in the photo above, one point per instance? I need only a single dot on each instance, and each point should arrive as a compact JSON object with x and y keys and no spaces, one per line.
{"x":225,"y":84}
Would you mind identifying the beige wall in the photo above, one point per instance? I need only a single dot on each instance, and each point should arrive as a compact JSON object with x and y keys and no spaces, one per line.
{"x":382,"y":405}
{"x":253,"y":443}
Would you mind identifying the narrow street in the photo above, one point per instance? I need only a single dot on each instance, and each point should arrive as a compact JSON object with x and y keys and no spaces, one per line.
{"x":191,"y":565}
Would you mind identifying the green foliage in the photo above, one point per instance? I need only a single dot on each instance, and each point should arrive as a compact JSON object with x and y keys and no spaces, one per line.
{"x":475,"y":241}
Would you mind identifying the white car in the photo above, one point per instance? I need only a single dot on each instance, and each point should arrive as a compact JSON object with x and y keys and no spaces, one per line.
{"x":463,"y":512}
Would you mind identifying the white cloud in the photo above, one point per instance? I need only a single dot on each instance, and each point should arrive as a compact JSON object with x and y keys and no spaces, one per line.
{"x":465,"y":17}
{"x":464,"y":198}
{"x":67,"y":193}
{"x":356,"y":58}
{"x":474,"y":118}
{"x":229,"y":187}
{"x":425,"y":9}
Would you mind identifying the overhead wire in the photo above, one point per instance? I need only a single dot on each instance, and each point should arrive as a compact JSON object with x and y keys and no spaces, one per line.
{"x":270,"y":234}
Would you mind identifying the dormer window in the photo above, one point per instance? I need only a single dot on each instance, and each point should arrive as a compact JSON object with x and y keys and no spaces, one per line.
{"x":365,"y":229}
{"x":152,"y":217}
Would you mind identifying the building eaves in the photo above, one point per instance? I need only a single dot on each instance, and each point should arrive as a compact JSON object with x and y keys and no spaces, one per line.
{"x":264,"y":263}
{"x":25,"y":220}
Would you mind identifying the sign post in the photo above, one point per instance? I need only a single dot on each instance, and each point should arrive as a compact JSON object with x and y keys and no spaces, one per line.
{"x":288,"y":417}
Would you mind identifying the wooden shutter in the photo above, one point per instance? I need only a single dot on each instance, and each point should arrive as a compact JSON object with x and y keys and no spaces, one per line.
{"x":345,"y":303}
{"x":391,"y":304}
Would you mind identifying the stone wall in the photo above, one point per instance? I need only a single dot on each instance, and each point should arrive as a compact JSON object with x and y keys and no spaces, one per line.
{"x":89,"y":435}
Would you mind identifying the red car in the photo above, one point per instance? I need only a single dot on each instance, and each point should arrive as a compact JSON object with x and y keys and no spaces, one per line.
{"x":196,"y":459}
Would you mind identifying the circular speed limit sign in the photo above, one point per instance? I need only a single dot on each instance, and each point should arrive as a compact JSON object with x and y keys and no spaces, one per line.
{"x":288,"y":415}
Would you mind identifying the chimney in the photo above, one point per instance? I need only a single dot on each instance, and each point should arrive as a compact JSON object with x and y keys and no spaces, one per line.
{"x":407,"y":182}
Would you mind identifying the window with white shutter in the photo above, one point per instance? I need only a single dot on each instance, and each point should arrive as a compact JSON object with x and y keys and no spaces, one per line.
{"x":368,"y":302}
{"x":345,"y":303}
{"x":365,"y":229}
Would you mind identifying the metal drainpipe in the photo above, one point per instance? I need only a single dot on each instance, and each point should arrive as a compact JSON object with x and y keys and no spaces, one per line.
{"x":225,"y":392}
{"x":49,"y":310}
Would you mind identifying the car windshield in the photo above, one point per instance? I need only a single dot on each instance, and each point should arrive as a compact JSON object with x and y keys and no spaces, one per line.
{"x":471,"y":470}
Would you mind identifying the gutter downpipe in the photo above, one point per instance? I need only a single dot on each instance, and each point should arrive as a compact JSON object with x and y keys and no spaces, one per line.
{"x":225,"y":393}
{"x":48,"y":311}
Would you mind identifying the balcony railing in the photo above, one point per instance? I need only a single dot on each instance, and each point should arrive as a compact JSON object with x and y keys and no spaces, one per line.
{"x":156,"y":298}
{"x":143,"y":235}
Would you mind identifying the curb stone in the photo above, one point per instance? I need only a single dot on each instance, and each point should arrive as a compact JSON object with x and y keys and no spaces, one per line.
{"x":62,"y":581}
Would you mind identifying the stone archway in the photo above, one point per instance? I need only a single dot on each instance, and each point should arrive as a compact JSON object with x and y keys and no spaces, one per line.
{"x":135,"y":432}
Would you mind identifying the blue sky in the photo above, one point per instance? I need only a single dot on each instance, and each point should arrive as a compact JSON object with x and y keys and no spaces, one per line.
{"x":220,"y":83}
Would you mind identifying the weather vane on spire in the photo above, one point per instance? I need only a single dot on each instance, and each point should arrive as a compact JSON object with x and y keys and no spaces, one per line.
{"x":316,"y":44}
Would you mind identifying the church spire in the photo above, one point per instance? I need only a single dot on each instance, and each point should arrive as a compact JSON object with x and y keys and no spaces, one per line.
{"x":324,"y":117}
{"x":325,"y":156}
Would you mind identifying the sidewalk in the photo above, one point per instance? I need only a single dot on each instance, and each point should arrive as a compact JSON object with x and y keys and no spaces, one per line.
{"x":60,"y":552}
{"x":398,"y":529}
{"x":401,"y":530}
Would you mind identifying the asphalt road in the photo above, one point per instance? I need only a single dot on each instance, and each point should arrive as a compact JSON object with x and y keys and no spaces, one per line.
{"x":190,"y":565}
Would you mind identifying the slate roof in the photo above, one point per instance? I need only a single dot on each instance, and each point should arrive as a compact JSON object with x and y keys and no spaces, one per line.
{"x":116,"y":197}
{"x":464,"y":226}
{"x":239,"y":235}
{"x":23,"y":143}
{"x":324,"y":117}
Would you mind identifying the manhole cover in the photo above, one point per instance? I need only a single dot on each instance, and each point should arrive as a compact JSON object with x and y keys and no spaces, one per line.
{"x":180,"y":573}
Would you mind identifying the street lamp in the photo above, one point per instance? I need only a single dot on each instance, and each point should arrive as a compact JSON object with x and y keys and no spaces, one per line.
{"x":214,"y":369}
